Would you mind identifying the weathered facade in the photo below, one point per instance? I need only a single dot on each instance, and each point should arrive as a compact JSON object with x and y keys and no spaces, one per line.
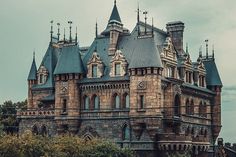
{"x":139,"y":89}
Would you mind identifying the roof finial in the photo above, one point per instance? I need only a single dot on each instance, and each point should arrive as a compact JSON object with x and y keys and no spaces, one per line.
{"x":70,"y":22}
{"x":186,"y":48}
{"x":206,"y":47}
{"x":200,"y":52}
{"x":76,"y":36}
{"x":58,"y":31}
{"x":145,"y":13}
{"x":114,"y":2}
{"x":213,"y":51}
{"x":51,"y":29}
{"x":34,"y":55}
{"x":64,"y":34}
{"x":138,"y":19}
{"x":96,"y":29}
{"x":152,"y":26}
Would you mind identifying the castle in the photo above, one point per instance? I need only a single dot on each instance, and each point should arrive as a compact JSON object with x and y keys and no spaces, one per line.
{"x":139,"y":89}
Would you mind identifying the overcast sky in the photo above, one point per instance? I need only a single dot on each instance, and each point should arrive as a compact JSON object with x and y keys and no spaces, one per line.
{"x":25,"y":27}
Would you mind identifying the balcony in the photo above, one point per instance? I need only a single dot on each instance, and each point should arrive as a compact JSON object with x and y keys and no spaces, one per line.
{"x":37,"y":113}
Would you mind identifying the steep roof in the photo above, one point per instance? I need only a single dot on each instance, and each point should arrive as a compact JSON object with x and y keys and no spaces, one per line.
{"x":212,"y":74}
{"x":33,"y":71}
{"x":69,"y":61}
{"x":115,"y":16}
{"x":145,"y":54}
{"x":49,"y":62}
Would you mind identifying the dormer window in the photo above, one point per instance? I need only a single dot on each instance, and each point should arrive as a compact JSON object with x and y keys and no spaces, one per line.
{"x":117,"y":69}
{"x":42,"y":75}
{"x":94,"y":70}
{"x":118,"y":65}
{"x":95,"y":66}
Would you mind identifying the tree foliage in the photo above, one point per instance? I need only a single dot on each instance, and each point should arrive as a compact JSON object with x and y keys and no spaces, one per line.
{"x":8,"y":121}
{"x":28,"y":145}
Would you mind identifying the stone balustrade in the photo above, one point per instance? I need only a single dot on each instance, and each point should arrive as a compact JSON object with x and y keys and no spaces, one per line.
{"x":38,"y":113}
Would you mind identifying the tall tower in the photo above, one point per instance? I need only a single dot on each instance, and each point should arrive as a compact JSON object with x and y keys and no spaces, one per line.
{"x":68,"y":71}
{"x":32,"y":80}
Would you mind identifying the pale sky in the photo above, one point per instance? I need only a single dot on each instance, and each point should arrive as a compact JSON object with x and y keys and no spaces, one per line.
{"x":25,"y":27}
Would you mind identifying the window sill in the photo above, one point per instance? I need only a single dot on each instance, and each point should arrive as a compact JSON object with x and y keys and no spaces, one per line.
{"x":141,"y":110}
{"x":64,"y":113}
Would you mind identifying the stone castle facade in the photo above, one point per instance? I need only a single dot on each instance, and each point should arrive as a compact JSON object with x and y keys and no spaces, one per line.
{"x":139,"y":89}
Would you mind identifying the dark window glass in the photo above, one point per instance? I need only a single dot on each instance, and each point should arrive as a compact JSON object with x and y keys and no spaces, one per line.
{"x":141,"y":101}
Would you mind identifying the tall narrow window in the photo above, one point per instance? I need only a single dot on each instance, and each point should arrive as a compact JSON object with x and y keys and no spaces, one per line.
{"x":86,"y":102}
{"x":127,"y":101}
{"x":94,"y":71}
{"x":64,"y":106}
{"x":177,"y":106}
{"x":117,"y":102}
{"x":141,"y":97}
{"x":96,"y":102}
{"x":125,"y":133}
{"x":117,"y":69}
{"x":41,"y":79}
{"x":187,"y":107}
{"x":192,"y":108}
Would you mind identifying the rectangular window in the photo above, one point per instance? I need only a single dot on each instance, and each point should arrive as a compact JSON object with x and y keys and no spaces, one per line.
{"x":94,"y":70}
{"x":64,"y":110}
{"x":141,"y":102}
{"x":117,"y":69}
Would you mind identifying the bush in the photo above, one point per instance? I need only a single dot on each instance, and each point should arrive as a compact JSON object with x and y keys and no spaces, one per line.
{"x":28,"y":145}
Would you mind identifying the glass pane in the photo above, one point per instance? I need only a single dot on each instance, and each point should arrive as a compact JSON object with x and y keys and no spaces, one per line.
{"x":117,"y":69}
{"x":94,"y":70}
{"x":126,"y":133}
{"x":117,"y":102}
{"x":141,"y":101}
{"x":127,"y":101}
{"x":86,"y":103}
{"x":96,"y":103}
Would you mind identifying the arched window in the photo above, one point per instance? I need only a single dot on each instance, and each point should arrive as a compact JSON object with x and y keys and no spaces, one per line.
{"x":43,"y":130}
{"x":117,"y":69}
{"x":192,"y":108}
{"x":117,"y":102}
{"x":125,"y":101}
{"x":125,"y":133}
{"x":94,"y":70}
{"x":96,"y":102}
{"x":64,"y":106}
{"x":187,"y":107}
{"x":177,"y":106}
{"x":35,"y":130}
{"x":86,"y":103}
{"x":202,"y":110}
{"x":205,"y":110}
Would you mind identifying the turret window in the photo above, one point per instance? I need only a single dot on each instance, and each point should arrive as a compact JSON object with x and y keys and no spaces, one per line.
{"x":42,"y":75}
{"x":94,"y":70}
{"x":117,"y":69}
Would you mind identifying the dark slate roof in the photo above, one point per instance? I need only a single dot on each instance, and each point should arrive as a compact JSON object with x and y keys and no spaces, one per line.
{"x":212,"y":75}
{"x":69,"y":61}
{"x":33,"y":71}
{"x":197,"y":88}
{"x":115,"y":17}
{"x":145,"y":54}
{"x":49,"y":62}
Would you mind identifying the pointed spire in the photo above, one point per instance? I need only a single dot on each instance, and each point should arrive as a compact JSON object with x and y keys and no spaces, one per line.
{"x":33,"y":70}
{"x":64,"y":34}
{"x":51,"y":32}
{"x":58,"y":31}
{"x":115,"y":16}
{"x":96,"y":29}
{"x":213,"y":52}
{"x":206,"y":47}
{"x":76,"y":36}
{"x":70,"y":23}
{"x":138,"y":19}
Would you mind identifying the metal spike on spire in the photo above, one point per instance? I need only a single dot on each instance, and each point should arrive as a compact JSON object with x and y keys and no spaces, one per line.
{"x":200,"y":52}
{"x":58,"y":31}
{"x":145,"y":13}
{"x":138,"y":19}
{"x":51,"y":32}
{"x":34,"y":55}
{"x":64,"y":34}
{"x":96,"y":29}
{"x":206,"y":47}
{"x":114,"y":2}
{"x":70,"y":23}
{"x":76,"y":36}
{"x":213,"y":51}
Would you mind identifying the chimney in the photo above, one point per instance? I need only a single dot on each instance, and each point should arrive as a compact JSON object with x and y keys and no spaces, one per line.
{"x":176,"y":30}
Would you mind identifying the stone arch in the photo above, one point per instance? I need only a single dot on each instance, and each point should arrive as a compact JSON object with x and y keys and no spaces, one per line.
{"x":44,"y":130}
{"x":95,"y":102}
{"x":35,"y":130}
{"x":125,"y":101}
{"x":115,"y":101}
{"x":177,"y":104}
{"x":187,"y":107}
{"x":86,"y":102}
{"x":125,"y":132}
{"x":192,"y":107}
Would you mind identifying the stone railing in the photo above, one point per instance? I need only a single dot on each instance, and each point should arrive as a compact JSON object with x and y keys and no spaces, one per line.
{"x":105,"y":113}
{"x":38,"y":113}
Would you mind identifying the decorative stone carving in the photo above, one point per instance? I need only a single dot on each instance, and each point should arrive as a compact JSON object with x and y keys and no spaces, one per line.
{"x":95,"y":60}
{"x":142,"y":85}
{"x":177,"y":89}
{"x":42,"y":75}
{"x":64,"y":87}
{"x":118,"y":58}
